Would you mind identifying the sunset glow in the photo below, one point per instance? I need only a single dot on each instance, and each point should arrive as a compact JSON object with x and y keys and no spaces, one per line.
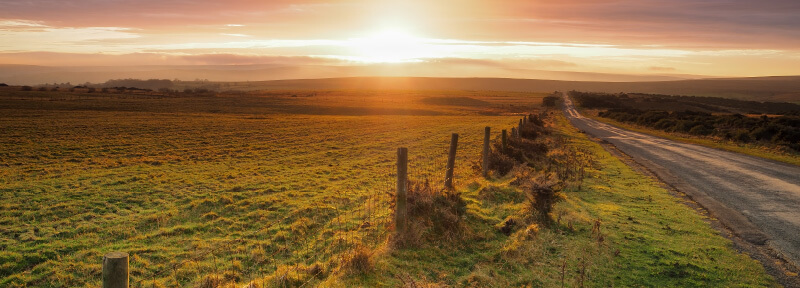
{"x":719,"y":38}
{"x":391,"y":46}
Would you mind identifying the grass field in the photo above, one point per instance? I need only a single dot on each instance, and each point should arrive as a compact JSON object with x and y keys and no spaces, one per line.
{"x":278,"y":188}
{"x":169,"y":180}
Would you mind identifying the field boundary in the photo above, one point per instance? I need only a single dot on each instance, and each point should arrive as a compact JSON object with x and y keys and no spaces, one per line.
{"x":772,"y":260}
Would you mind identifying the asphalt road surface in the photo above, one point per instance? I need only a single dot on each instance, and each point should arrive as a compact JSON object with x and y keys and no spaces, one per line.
{"x":757,"y":199}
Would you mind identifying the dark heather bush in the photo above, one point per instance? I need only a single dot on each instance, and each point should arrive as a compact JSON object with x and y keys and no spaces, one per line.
{"x":542,"y":194}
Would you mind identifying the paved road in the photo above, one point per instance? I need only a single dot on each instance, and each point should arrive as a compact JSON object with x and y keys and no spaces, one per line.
{"x":756,"y":198}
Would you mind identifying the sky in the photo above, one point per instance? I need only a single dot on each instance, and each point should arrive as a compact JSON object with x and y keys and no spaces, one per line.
{"x":720,"y":38}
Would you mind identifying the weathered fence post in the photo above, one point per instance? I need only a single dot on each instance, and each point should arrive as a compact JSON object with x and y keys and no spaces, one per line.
{"x":513,"y":132}
{"x":504,"y":140}
{"x":115,"y":270}
{"x":486,"y":135}
{"x":519,"y":129}
{"x":402,"y":189}
{"x":451,"y":162}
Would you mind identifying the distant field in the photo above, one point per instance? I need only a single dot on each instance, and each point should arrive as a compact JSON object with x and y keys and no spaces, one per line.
{"x":310,"y":102}
{"x":773,"y":89}
{"x":191,"y":186}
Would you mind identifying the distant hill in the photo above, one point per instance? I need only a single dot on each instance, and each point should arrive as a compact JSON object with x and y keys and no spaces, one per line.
{"x":34,"y":75}
{"x":772,"y":89}
{"x":250,"y":77}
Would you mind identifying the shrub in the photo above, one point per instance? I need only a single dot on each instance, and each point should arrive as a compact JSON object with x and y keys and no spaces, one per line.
{"x":500,"y":162}
{"x":524,"y":149}
{"x":542,"y":194}
{"x":763,"y":133}
{"x":781,"y":131}
{"x":650,"y":117}
{"x":532,"y":130}
{"x":685,"y":125}
{"x":665,"y":124}
{"x":700,"y":130}
{"x":549,"y":101}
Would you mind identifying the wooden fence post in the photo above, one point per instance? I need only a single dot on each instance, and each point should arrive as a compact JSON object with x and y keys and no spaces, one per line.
{"x":514,"y":132}
{"x":519,"y":128}
{"x":115,"y":270}
{"x":451,"y":162}
{"x":486,"y":135}
{"x":504,"y":140}
{"x":402,"y":190}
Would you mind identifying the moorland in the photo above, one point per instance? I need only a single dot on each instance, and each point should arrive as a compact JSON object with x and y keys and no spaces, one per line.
{"x":295,"y":187}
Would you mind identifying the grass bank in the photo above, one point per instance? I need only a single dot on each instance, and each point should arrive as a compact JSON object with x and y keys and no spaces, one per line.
{"x":616,"y":228}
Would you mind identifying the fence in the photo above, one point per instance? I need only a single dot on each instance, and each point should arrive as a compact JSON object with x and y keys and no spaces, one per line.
{"x":340,"y":231}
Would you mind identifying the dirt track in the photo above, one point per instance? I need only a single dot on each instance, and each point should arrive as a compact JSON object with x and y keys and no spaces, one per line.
{"x":757,"y":199}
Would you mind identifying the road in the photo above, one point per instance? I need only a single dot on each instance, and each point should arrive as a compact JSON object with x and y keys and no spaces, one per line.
{"x":757,"y":199}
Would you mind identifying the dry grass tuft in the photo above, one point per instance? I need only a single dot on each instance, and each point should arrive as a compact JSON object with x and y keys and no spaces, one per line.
{"x":209,"y":281}
{"x":286,"y":276}
{"x":409,"y":282}
{"x":359,"y":261}
{"x":532,"y":231}
{"x":432,"y":215}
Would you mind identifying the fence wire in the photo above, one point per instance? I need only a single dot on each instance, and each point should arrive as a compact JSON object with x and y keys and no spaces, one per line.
{"x":278,"y":254}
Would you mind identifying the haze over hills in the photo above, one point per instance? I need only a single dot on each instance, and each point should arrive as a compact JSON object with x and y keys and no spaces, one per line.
{"x":392,"y":76}
{"x":774,"y":89}
{"x":34,"y":75}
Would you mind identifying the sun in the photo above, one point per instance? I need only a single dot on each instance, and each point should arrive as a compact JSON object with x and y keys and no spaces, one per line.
{"x":391,"y":46}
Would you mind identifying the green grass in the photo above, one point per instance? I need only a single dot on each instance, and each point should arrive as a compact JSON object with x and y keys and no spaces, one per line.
{"x":245,"y":188}
{"x":661,"y":242}
{"x":649,"y":239}
{"x":235,"y":192}
{"x":749,"y":149}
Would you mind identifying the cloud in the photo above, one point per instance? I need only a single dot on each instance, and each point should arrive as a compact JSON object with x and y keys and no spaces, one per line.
{"x":156,"y":13}
{"x":235,"y":59}
{"x":677,"y":23}
{"x":708,"y":24}
{"x":506,"y":63}
{"x":661,"y":69}
{"x":17,"y":24}
{"x":24,"y":35}
{"x":137,"y":59}
{"x":698,"y":37}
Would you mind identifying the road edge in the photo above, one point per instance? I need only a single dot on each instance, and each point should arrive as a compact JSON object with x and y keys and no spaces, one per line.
{"x":744,"y":240}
